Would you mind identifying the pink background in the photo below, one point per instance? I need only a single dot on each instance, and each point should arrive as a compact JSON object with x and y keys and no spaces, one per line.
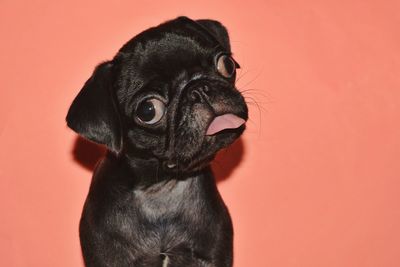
{"x":318,"y":183}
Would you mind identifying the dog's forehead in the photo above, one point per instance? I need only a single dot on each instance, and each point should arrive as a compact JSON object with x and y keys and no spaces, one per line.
{"x":175,"y":48}
{"x":179,"y":43}
{"x":172,"y":50}
{"x":181,"y":33}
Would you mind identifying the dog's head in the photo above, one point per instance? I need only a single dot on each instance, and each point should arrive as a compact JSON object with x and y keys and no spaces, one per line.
{"x":168,"y":96}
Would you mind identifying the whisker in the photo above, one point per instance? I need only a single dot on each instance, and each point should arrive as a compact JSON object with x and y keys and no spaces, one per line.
{"x":254,"y":92}
{"x":256,"y":77}
{"x":259,"y":108}
{"x":255,"y":102}
{"x":241,"y":75}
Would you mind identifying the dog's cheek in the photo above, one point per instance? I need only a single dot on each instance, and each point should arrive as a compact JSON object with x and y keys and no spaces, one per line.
{"x":191,"y":130}
{"x":139,"y":139}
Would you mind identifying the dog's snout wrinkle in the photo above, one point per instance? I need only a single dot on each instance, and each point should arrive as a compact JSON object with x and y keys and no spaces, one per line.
{"x":199,"y":93}
{"x":196,"y":96}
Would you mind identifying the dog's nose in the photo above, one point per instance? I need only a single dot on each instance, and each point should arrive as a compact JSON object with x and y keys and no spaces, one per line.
{"x":199,"y":93}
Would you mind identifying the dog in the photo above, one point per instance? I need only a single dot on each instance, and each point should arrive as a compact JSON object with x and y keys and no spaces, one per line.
{"x":163,"y":107}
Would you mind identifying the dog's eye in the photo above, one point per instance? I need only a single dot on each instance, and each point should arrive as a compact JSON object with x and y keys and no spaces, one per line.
{"x":150,"y":111}
{"x":226,"y":66}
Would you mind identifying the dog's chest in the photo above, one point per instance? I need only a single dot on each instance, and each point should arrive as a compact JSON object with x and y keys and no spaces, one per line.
{"x":165,"y":199}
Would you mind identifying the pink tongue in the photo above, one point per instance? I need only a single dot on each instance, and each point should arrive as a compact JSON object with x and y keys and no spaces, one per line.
{"x":226,"y":121}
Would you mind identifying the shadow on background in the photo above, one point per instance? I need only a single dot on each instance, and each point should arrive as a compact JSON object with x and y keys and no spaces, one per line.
{"x":227,"y":160}
{"x":87,"y":154}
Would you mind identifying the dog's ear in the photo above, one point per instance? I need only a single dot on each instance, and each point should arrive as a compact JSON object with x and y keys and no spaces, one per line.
{"x":94,"y":113}
{"x":218,"y":31}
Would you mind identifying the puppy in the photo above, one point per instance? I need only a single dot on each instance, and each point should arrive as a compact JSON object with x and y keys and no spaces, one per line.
{"x":163,"y":106}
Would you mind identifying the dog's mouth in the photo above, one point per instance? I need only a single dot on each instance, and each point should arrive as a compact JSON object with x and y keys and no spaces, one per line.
{"x":224,"y":122}
{"x":222,"y":130}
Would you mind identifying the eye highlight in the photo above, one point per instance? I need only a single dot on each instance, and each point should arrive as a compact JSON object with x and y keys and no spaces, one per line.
{"x":226,"y":66}
{"x":150,"y":111}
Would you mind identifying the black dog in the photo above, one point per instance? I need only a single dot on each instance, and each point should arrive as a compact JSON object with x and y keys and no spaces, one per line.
{"x":163,"y":107}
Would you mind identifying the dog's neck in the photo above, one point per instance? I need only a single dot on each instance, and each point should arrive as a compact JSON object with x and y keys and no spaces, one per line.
{"x":148,"y":172}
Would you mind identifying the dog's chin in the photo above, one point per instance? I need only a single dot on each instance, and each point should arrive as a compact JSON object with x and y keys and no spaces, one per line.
{"x":202,"y":158}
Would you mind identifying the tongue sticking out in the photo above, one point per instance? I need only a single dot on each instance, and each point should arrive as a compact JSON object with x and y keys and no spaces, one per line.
{"x":226,"y":121}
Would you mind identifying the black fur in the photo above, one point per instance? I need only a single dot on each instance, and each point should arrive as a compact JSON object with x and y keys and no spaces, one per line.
{"x":153,"y":199}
